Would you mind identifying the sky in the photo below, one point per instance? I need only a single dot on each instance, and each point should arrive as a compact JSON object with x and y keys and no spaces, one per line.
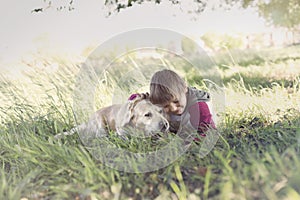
{"x":24,"y":32}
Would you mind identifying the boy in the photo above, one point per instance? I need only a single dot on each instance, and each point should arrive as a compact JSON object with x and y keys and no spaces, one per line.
{"x":183,"y":104}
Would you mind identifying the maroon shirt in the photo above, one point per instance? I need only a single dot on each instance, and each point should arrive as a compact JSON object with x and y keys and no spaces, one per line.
{"x":200,"y":117}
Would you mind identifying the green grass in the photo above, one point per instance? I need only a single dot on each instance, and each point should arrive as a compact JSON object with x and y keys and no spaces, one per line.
{"x":256,"y":157}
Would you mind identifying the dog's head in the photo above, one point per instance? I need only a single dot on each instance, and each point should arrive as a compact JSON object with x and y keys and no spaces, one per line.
{"x":141,"y":115}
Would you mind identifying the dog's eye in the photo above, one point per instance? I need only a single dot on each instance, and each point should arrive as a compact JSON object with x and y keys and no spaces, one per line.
{"x":160,"y":111}
{"x":148,"y":114}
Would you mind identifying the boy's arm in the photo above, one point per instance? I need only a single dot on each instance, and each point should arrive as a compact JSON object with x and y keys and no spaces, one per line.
{"x":201,"y":117}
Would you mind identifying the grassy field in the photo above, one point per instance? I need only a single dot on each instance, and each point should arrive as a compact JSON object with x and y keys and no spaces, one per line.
{"x":256,"y":157}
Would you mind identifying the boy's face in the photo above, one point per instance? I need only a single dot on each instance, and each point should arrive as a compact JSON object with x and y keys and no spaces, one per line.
{"x":176,"y":105}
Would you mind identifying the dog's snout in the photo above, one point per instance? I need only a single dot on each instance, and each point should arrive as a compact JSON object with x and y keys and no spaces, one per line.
{"x":164,"y":125}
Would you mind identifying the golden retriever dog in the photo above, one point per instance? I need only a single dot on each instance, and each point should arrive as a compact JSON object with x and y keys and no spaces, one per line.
{"x":137,"y":115}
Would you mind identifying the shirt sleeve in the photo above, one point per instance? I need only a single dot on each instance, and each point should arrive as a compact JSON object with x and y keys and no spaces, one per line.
{"x":142,"y":95}
{"x":133,"y":96}
{"x":201,"y":117}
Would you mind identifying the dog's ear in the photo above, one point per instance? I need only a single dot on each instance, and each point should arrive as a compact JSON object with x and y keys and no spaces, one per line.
{"x":126,"y":114}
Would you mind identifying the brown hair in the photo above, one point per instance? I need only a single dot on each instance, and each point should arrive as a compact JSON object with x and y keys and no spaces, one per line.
{"x":166,"y":85}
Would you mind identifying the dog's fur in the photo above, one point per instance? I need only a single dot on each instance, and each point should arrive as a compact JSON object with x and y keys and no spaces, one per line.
{"x":139,"y":114}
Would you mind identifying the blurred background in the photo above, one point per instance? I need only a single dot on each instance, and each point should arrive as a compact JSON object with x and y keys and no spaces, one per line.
{"x":73,"y":29}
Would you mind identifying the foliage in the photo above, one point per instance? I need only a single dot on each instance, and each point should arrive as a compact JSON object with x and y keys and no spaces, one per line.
{"x":277,"y":12}
{"x":217,"y":41}
{"x":197,"y":6}
{"x":281,"y":13}
{"x":65,"y":5}
{"x":194,"y":6}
